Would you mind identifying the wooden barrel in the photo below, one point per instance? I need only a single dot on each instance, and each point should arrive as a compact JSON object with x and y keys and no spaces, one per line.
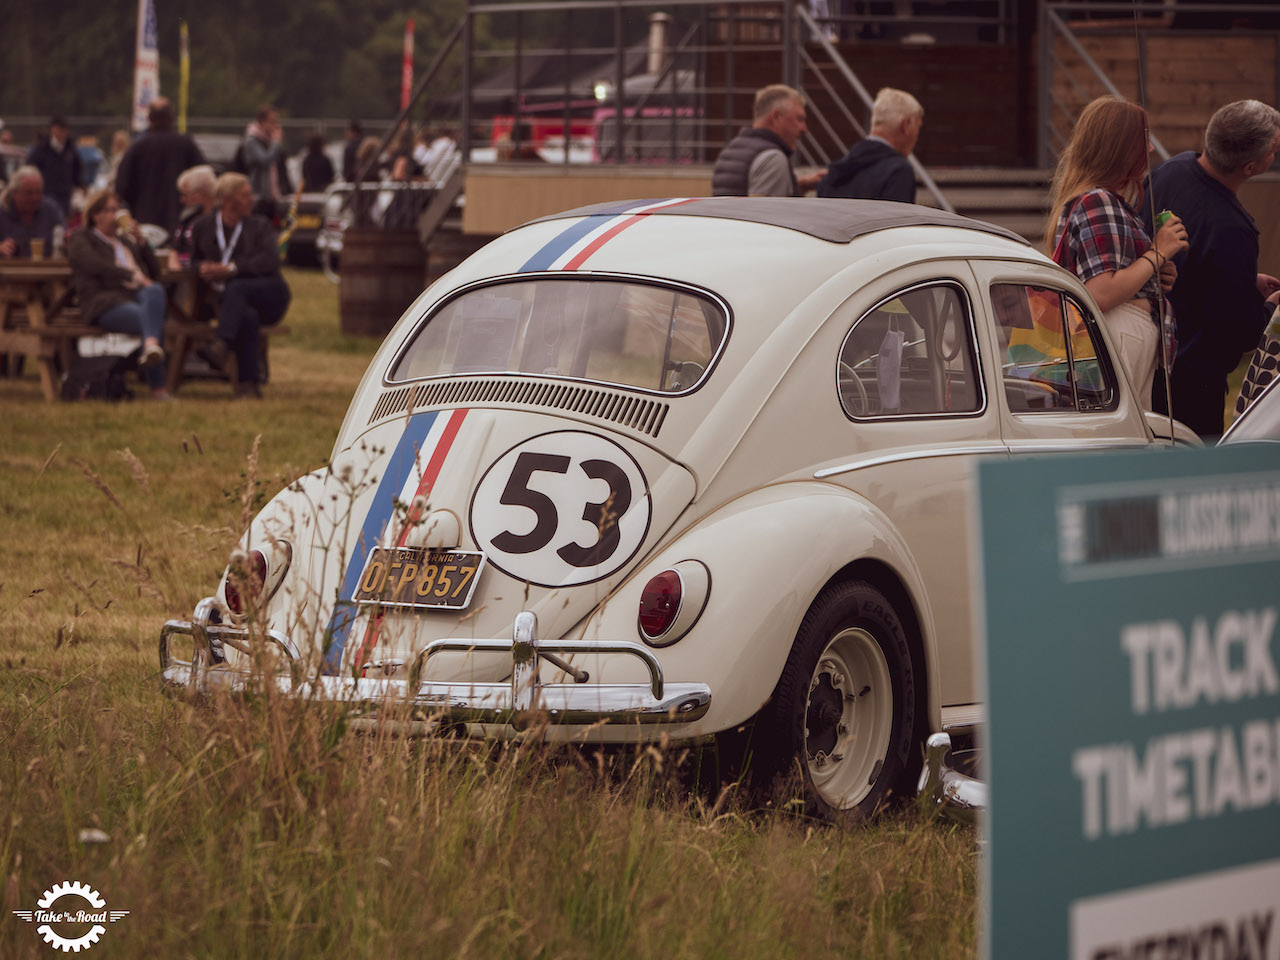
{"x":449,"y":246}
{"x":381,"y":273}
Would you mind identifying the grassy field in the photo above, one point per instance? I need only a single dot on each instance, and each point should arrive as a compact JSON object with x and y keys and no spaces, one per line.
{"x":255,"y":829}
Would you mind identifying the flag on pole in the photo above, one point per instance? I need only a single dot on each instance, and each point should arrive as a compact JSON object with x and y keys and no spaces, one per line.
{"x":146,"y":64}
{"x":406,"y":69}
{"x":184,"y":74}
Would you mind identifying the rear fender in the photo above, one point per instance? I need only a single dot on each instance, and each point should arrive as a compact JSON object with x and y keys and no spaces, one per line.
{"x":769,"y":554}
{"x":292,"y":516}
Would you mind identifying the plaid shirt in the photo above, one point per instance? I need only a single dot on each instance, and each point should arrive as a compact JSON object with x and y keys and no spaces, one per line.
{"x":1102,"y":234}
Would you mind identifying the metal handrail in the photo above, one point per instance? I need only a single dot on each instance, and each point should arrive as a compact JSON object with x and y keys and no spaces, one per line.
{"x":1138,"y":19}
{"x":847,"y":72}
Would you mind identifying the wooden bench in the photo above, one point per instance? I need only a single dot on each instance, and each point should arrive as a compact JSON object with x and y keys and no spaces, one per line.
{"x":52,"y":345}
{"x":38,"y":318}
{"x":183,"y":336}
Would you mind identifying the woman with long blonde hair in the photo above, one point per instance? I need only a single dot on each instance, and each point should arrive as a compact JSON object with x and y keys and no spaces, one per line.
{"x":1094,"y":231}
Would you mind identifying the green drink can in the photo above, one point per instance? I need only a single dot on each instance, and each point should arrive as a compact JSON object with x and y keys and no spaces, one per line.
{"x":1163,"y":217}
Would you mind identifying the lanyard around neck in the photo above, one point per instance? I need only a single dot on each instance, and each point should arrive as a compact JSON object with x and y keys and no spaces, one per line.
{"x":224,"y":247}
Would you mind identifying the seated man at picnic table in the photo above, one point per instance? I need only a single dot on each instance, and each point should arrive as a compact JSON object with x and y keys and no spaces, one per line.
{"x":235,"y":251}
{"x":26,"y":213}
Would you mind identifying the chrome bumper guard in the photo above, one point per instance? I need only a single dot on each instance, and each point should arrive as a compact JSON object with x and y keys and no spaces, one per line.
{"x":522,"y":701}
{"x":960,"y":796}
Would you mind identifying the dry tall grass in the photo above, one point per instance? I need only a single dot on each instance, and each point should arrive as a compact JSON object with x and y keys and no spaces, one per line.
{"x":260,"y":828}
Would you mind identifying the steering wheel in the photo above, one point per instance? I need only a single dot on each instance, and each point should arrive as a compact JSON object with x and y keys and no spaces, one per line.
{"x":847,"y":375}
{"x":686,"y":374}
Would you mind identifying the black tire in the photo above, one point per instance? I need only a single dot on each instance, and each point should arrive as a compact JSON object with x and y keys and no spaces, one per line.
{"x":843,"y":710}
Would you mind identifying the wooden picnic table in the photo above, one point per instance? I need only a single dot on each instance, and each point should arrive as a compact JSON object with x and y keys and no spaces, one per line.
{"x":38,"y":318}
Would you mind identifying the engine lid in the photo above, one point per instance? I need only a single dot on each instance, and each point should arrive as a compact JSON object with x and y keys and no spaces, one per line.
{"x":558,"y":511}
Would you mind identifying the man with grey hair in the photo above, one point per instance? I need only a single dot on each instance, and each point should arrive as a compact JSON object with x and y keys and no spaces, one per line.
{"x":877,"y":168}
{"x":26,"y":214}
{"x":1219,"y":299}
{"x":757,"y":162}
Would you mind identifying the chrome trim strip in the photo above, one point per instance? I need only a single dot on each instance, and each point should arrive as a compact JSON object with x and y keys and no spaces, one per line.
{"x":1075,"y":446}
{"x":974,"y":449}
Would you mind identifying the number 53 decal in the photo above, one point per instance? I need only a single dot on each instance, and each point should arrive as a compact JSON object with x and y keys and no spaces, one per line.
{"x":561,"y":509}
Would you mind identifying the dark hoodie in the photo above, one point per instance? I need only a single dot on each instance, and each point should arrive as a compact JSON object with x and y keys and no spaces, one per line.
{"x":872,"y":170}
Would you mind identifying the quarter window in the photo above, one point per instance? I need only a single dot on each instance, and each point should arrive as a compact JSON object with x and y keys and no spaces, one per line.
{"x":912,"y":355}
{"x":1052,"y":353}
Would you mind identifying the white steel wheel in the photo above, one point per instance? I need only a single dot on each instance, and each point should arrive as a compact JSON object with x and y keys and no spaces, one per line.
{"x":848,"y":718}
{"x":844,"y":709}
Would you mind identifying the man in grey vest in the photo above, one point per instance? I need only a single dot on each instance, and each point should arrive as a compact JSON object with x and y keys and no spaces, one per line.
{"x":757,"y":162}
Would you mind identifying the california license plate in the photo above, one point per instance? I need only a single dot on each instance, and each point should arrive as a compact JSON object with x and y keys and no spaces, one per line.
{"x":416,"y":578}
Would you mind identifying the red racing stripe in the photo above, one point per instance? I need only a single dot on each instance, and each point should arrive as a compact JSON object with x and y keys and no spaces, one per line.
{"x":612,"y":232}
{"x":428,"y":480}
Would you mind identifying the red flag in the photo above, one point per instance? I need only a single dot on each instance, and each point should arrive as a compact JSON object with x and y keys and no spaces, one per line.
{"x":406,"y":69}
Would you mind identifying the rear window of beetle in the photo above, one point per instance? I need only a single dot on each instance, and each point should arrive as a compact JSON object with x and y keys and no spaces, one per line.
{"x":626,"y":332}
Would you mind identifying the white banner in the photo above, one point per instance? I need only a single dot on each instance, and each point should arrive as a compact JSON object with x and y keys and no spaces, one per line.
{"x":146,"y":64}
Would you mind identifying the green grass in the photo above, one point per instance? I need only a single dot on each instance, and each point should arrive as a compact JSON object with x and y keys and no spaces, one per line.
{"x":262,"y":828}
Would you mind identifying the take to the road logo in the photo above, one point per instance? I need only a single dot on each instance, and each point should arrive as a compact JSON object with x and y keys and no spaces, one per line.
{"x":72,"y":916}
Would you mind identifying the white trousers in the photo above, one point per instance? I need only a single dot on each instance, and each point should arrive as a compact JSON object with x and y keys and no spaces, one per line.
{"x":1137,"y":339}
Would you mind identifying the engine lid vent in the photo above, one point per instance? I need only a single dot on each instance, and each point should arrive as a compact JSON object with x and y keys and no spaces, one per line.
{"x":642,"y":414}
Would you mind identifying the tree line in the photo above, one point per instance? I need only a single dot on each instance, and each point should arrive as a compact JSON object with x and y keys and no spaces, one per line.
{"x":310,"y":58}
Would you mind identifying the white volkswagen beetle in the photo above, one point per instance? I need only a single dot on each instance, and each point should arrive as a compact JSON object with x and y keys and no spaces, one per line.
{"x":678,"y":468}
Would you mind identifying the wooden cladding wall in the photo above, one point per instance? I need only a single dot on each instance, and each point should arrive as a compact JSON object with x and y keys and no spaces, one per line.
{"x":978,"y":103}
{"x":1188,"y":77}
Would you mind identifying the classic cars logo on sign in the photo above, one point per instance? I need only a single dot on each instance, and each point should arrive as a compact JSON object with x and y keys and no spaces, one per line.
{"x":561,"y":509}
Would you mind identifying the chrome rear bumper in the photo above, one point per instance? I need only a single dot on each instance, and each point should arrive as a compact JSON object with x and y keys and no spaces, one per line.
{"x":523,"y":700}
{"x":961,"y":797}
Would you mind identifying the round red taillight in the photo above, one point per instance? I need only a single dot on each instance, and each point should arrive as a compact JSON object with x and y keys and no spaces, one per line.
{"x":245,"y":580}
{"x":659,"y":603}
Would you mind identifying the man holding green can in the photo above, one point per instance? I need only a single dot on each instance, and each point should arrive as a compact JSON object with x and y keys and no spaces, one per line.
{"x":1219,"y":299}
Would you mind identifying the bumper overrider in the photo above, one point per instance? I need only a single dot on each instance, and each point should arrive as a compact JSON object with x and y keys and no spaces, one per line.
{"x":961,"y":797}
{"x":519,"y":702}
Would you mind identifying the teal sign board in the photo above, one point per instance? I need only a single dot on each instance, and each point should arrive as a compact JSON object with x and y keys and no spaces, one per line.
{"x":1133,"y":681}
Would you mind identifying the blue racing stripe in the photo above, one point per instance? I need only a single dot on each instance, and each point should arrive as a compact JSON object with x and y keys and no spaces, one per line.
{"x":544,"y":258}
{"x":401,"y":464}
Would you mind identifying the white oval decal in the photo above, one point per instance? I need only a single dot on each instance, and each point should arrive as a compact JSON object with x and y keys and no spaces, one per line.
{"x":561,"y":509}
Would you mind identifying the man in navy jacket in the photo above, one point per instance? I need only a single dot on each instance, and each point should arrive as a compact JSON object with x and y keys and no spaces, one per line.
{"x":1219,"y":297}
{"x":877,"y":167}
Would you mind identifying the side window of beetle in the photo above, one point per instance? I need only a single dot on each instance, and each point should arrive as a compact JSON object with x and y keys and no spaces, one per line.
{"x":912,"y":355}
{"x":1052,"y":355}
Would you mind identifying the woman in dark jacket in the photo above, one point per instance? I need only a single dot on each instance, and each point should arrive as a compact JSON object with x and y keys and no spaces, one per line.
{"x":115,"y":278}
